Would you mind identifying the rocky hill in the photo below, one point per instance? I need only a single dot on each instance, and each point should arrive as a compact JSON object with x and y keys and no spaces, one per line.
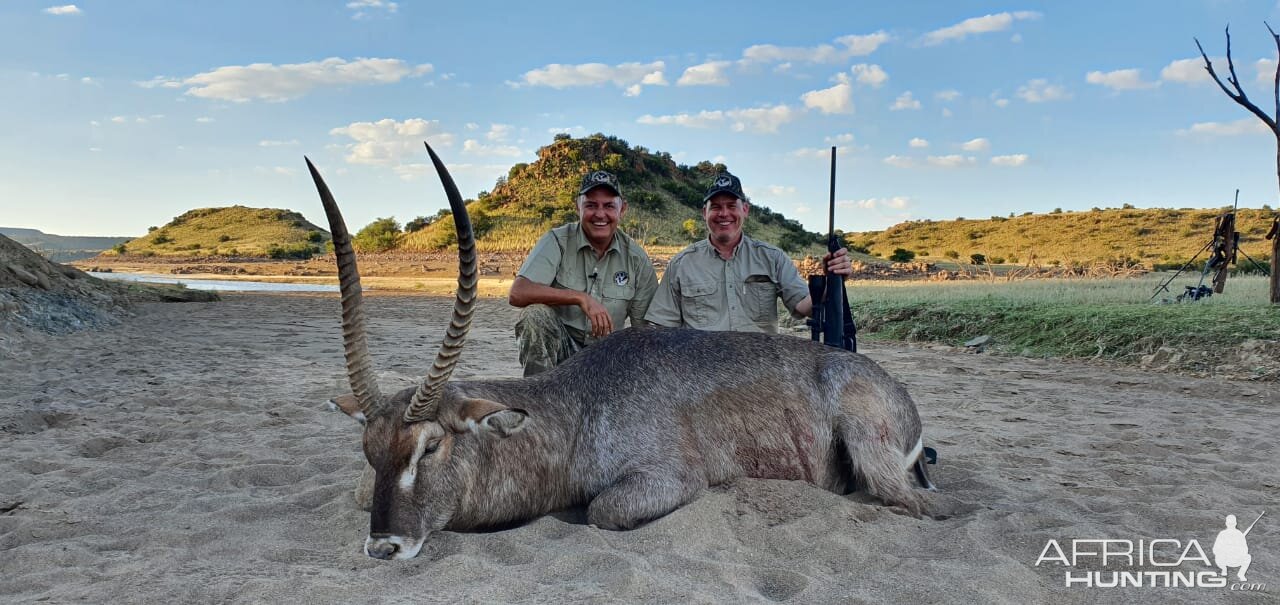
{"x":235,"y":231}
{"x":1154,"y":237}
{"x":664,"y":200}
{"x":61,"y":248}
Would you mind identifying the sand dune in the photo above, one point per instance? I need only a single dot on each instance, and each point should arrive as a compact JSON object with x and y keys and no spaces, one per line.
{"x":184,"y":456}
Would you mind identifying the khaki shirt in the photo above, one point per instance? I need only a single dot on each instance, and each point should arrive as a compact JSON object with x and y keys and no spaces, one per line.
{"x":624,"y":280}
{"x":701,"y":290}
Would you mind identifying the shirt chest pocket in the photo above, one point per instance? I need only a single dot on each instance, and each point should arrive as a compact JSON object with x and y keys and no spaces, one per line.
{"x":760,"y":296}
{"x":616,"y":292}
{"x":699,"y":301}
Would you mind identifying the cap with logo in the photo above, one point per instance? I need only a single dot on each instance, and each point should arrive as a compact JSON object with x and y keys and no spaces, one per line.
{"x":725,"y":183}
{"x":600,"y":178}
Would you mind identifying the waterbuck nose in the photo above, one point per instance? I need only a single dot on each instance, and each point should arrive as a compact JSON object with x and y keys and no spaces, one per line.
{"x":382,"y":550}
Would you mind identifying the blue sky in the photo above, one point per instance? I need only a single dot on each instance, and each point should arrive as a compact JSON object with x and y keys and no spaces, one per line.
{"x":119,"y":115}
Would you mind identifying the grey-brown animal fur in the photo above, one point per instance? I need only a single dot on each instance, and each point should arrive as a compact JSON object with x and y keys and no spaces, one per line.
{"x":637,"y":425}
{"x":632,"y":427}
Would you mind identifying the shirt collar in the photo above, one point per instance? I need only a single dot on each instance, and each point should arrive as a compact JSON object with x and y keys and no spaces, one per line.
{"x":583,"y":242}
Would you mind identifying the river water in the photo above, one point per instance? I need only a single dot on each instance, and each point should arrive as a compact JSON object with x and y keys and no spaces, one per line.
{"x":216,"y":284}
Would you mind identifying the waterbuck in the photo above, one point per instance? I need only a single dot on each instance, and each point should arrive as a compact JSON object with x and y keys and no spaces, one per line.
{"x":632,"y":427}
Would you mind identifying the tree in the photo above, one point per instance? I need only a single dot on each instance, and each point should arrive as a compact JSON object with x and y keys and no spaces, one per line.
{"x":902,"y":255}
{"x":978,"y":259}
{"x":378,"y":236}
{"x":419,"y":223}
{"x":692,"y":228}
{"x":1242,"y":99}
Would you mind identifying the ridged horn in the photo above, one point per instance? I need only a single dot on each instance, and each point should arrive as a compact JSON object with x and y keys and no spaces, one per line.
{"x":426,"y":400}
{"x":364,"y":385}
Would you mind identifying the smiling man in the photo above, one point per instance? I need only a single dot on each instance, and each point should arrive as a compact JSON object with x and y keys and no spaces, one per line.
{"x":729,"y":281}
{"x":581,"y":281}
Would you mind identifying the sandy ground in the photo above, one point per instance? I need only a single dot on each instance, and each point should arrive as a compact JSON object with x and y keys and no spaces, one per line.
{"x":184,"y":456}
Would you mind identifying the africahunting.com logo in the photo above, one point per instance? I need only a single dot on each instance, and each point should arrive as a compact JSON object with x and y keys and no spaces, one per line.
{"x":1159,"y":562}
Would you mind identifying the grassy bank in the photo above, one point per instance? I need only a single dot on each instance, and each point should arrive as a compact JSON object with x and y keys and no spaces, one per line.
{"x":1108,"y":319}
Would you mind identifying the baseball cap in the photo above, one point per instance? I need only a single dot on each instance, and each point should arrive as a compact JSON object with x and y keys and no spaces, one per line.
{"x":725,"y":183}
{"x":600,"y":178}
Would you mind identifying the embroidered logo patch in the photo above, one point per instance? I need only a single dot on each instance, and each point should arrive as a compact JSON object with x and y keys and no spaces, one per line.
{"x":621,"y":278}
{"x":723,"y":181}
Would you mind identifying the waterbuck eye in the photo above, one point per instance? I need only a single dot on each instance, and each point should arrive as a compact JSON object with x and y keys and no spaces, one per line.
{"x":431,"y":447}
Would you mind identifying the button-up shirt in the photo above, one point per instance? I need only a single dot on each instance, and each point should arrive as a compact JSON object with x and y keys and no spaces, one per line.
{"x":622,"y":280}
{"x":705,"y":291}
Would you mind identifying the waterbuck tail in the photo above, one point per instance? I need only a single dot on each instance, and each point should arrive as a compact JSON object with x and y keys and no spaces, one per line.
{"x":364,"y":384}
{"x":877,"y":463}
{"x":426,"y":399}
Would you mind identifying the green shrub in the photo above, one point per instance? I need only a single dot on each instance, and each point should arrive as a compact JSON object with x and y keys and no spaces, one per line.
{"x":902,"y":255}
{"x":379,"y":236}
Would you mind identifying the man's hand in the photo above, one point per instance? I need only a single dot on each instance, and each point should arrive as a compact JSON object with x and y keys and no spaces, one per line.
{"x":601,"y":322}
{"x":838,"y":262}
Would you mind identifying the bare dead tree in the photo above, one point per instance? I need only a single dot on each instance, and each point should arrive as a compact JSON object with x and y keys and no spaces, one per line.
{"x":1242,"y":99}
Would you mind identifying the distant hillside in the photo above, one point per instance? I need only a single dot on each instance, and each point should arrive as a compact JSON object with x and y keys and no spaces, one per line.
{"x":235,"y":231}
{"x":661,"y":196}
{"x":1151,"y":236}
{"x":61,"y":248}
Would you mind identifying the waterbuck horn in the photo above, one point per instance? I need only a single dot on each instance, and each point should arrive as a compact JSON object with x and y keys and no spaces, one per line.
{"x":364,"y":384}
{"x":426,"y":399}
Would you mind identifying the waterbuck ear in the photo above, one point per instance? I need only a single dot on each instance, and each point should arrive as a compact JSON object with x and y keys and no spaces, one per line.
{"x":490,"y":416}
{"x":347,"y":404}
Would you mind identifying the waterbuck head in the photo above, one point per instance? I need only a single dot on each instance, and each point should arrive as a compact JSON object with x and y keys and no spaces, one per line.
{"x":419,"y":441}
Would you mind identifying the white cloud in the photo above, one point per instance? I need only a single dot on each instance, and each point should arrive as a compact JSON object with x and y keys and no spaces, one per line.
{"x":1186,"y":71}
{"x":764,"y":119}
{"x":800,"y":209}
{"x":978,"y":144}
{"x":976,"y":25}
{"x":1013,"y":160}
{"x":570,"y":130}
{"x":947,"y":95}
{"x":160,"y":82}
{"x":475,"y":147}
{"x":204,"y":120}
{"x":1227,"y":129}
{"x":1001,"y":102}
{"x":498,"y":133}
{"x":269,"y":82}
{"x":119,"y":119}
{"x":870,"y":74}
{"x":66,"y":9}
{"x":899,"y":161}
{"x":849,"y":46}
{"x":950,"y":161}
{"x":818,"y":153}
{"x":268,"y":143}
{"x":835,"y":100}
{"x":946,"y":112}
{"x":628,"y":76}
{"x":1120,"y":79}
{"x":702,"y":119}
{"x":918,"y":143}
{"x":761,"y":119}
{"x":386,"y":141}
{"x":905,"y":101}
{"x":898,"y":202}
{"x":1266,"y":71}
{"x":840,"y":138}
{"x":364,"y":8}
{"x":88,"y":80}
{"x":711,"y":73}
{"x":281,"y":170}
{"x":770,"y":191}
{"x":1041,"y":91}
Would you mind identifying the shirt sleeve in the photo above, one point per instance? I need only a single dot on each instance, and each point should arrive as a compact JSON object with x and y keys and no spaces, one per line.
{"x":646,"y":287}
{"x":543,"y":262}
{"x":793,"y":287}
{"x":664,"y":310}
